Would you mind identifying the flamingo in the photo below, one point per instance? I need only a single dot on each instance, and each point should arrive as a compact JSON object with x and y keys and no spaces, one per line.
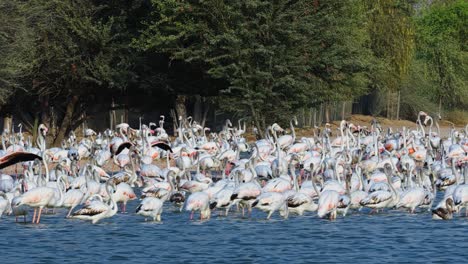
{"x":18,"y":210}
{"x":222,"y":199}
{"x":97,"y":210}
{"x":198,"y":201}
{"x":287,"y":140}
{"x":123,"y":193}
{"x":446,"y":212}
{"x":298,"y":202}
{"x":37,"y":198}
{"x":151,"y":207}
{"x":382,"y":198}
{"x":71,"y":199}
{"x":271,"y":202}
{"x":412,"y":197}
{"x":245,"y":194}
{"x":328,"y":204}
{"x":4,"y":203}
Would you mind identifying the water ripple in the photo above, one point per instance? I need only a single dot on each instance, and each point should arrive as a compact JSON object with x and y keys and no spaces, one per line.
{"x":388,"y":237}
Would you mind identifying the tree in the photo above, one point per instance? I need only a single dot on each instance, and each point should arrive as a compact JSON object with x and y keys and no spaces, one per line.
{"x":75,"y":54}
{"x":15,"y":48}
{"x":272,"y":55}
{"x":442,"y":43}
{"x":391,"y":33}
{"x":339,"y":60}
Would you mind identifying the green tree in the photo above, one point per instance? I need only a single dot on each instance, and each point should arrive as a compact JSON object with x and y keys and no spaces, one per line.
{"x":339,"y":60}
{"x":442,"y":43}
{"x":391,"y":31}
{"x":273,"y":55}
{"x":15,"y":49}
{"x":77,"y":51}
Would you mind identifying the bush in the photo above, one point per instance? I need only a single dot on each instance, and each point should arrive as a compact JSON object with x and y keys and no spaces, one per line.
{"x":458,"y":117}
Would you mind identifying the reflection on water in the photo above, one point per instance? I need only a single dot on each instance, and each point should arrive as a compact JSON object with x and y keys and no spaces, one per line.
{"x":392,"y":236}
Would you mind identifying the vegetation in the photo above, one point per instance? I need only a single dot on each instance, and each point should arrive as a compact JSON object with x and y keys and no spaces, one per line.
{"x":263,"y":60}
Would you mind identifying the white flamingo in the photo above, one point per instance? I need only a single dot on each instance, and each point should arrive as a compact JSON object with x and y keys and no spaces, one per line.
{"x":97,"y":210}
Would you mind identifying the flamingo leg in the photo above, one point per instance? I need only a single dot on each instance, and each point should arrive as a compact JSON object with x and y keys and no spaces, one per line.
{"x":34,"y":216}
{"x":69,"y":212}
{"x":269,"y":215}
{"x":24,"y":216}
{"x":191,"y":215}
{"x":39,"y":216}
{"x":333,"y":215}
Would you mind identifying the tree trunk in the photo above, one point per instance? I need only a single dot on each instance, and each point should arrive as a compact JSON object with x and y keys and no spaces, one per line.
{"x":7,"y":123}
{"x":175,"y":122}
{"x":53,"y":122}
{"x":45,"y":110}
{"x":180,"y":106}
{"x":320,"y":115}
{"x":398,"y":105}
{"x":113,"y":115}
{"x":440,"y":106}
{"x":67,"y":120}
{"x":387,"y":105}
{"x":205,"y":113}
{"x":197,"y":109}
{"x":343,"y":109}
{"x":327,"y":112}
{"x":257,"y":122}
{"x":315,"y":117}
{"x":303,"y":118}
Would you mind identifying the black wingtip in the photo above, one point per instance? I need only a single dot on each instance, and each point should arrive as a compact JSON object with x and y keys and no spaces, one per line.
{"x":213,"y":205}
{"x":16,"y":157}
{"x":162,"y":146}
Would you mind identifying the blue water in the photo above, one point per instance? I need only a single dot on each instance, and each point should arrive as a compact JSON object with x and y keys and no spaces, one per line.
{"x":388,"y":237}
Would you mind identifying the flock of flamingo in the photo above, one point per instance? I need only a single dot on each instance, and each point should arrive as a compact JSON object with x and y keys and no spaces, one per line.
{"x":360,"y":167}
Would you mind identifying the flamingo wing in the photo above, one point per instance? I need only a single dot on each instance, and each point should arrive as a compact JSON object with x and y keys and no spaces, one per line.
{"x":123,"y":146}
{"x":162,"y":146}
{"x":297,"y":200}
{"x":16,"y":157}
{"x":94,"y":208}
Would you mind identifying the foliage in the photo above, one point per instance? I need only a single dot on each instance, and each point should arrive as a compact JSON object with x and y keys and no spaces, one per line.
{"x":276,"y":56}
{"x":16,"y":49}
{"x":259,"y":59}
{"x":442,"y":43}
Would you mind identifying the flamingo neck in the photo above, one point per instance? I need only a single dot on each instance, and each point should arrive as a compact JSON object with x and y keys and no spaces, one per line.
{"x":293,"y":132}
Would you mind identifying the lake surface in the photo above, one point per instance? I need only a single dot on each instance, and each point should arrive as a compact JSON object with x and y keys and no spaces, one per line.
{"x":388,"y":237}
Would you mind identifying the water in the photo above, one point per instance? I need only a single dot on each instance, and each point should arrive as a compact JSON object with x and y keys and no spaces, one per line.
{"x":388,"y":237}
